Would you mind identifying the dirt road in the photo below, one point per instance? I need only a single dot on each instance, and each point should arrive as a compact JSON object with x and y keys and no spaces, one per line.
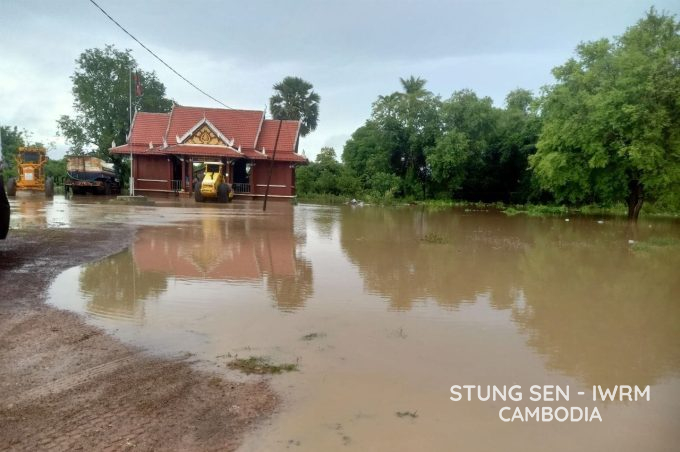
{"x":65,"y":385}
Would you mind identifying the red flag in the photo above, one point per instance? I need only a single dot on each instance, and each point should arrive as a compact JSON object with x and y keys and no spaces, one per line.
{"x":138,"y":84}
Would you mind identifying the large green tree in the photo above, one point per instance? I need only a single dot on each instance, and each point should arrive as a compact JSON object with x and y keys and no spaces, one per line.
{"x":409,"y":123}
{"x":101,"y":90}
{"x":612,"y":120}
{"x":458,"y":159}
{"x":295,"y":99}
{"x":12,"y":138}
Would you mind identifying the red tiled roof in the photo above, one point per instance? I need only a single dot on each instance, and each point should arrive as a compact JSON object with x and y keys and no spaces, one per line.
{"x":239,"y":125}
{"x":287,"y":135}
{"x":243,"y":126}
{"x":148,"y":127}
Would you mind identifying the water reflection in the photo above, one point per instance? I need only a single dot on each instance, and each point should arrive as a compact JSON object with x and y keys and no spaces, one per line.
{"x":236,"y":251}
{"x":593,"y":305}
{"x":389,"y":248}
{"x":600,"y":310}
{"x":115,"y":287}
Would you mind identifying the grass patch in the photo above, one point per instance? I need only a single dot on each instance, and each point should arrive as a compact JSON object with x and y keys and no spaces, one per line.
{"x":325,"y":198}
{"x":534,"y":210}
{"x":655,"y":243}
{"x":312,"y":336}
{"x":260,"y":366}
{"x":433,"y":237}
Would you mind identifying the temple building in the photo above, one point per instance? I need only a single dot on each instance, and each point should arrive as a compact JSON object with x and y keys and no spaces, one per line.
{"x":165,"y":147}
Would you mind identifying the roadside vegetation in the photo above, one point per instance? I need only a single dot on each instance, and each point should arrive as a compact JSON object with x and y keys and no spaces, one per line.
{"x":260,"y":366}
{"x":605,"y":137}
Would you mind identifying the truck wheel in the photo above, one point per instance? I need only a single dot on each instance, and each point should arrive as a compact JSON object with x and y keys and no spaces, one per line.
{"x":4,"y":212}
{"x":223,"y":193}
{"x":230,"y":196}
{"x":12,"y":187}
{"x":107,"y":188}
{"x":198,"y":197}
{"x":49,"y":187}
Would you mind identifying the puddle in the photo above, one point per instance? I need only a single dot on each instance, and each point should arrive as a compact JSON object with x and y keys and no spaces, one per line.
{"x":382,"y":322}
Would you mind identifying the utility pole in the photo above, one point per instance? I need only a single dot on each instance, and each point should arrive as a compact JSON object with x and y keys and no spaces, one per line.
{"x":271,"y":167}
{"x":132,"y":179}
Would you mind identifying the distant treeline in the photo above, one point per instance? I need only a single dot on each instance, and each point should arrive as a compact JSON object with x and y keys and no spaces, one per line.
{"x":607,"y":131}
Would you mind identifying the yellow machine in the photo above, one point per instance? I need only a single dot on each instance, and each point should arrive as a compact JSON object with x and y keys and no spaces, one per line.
{"x":213,"y":184}
{"x":31,"y":166}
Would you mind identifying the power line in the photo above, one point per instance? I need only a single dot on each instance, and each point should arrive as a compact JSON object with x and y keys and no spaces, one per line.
{"x":156,"y":56}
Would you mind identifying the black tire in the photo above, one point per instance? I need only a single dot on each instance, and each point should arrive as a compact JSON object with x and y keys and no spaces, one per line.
{"x":12,"y":187}
{"x":107,"y":188}
{"x":198,"y":197}
{"x":4,"y":212}
{"x":223,"y":193}
{"x":49,"y":187}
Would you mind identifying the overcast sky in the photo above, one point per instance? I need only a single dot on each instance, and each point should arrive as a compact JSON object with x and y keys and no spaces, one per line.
{"x":352,"y":51}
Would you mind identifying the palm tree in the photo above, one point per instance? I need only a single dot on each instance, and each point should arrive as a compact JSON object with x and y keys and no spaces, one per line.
{"x":414,"y":87}
{"x":294,"y":99}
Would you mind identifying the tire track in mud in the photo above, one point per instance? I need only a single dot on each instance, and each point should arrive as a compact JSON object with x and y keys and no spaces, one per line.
{"x":72,"y":381}
{"x":65,"y":385}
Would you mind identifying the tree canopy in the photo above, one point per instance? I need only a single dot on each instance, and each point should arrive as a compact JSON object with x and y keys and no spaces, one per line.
{"x":101,"y":89}
{"x":295,"y":99}
{"x":12,"y":138}
{"x":416,"y":145}
{"x":611,"y":128}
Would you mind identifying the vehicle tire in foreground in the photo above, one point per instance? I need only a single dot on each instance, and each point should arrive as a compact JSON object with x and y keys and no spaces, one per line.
{"x":49,"y":187}
{"x":12,"y":187}
{"x":223,"y":193}
{"x":198,"y":197}
{"x":4,"y":212}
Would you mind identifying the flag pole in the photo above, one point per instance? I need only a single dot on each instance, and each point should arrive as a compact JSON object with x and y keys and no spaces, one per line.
{"x":132,"y":178}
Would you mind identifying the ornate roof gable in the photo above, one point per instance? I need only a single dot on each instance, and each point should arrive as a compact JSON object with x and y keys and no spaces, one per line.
{"x":204,"y":132}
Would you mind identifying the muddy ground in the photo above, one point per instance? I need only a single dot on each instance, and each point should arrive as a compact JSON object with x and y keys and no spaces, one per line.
{"x":65,"y":385}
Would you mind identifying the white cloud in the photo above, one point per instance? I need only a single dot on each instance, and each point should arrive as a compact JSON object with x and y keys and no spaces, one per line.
{"x":351,"y":51}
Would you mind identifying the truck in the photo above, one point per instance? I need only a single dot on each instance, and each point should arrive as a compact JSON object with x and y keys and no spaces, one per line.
{"x":87,"y":174}
{"x":213,"y":184}
{"x":31,"y":162}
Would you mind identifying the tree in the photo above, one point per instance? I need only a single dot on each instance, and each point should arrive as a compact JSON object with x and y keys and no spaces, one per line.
{"x":327,"y":176}
{"x":12,"y":138}
{"x":462,"y":155}
{"x":101,"y":87}
{"x":294,"y":99}
{"x":518,"y":131}
{"x":409,"y":124}
{"x":611,"y":127}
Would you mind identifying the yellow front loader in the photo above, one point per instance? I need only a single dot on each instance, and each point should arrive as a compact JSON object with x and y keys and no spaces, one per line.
{"x":31,"y":166}
{"x":213,"y":184}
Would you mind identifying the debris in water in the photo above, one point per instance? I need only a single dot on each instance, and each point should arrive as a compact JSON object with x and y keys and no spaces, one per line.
{"x":412,"y":414}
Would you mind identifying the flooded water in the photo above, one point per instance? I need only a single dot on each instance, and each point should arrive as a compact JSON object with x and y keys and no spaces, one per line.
{"x":384,"y":309}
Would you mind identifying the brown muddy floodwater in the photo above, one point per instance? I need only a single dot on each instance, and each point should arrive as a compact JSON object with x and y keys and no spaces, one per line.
{"x":401,"y":304}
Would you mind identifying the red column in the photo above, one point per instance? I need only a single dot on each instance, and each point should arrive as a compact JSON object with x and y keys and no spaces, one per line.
{"x":183,"y":184}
